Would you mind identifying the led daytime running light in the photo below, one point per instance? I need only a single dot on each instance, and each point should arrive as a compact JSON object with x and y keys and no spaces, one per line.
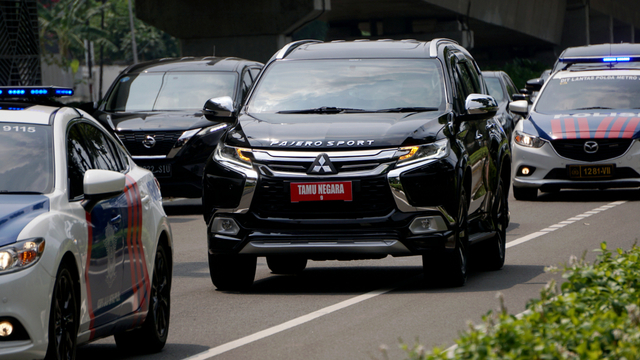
{"x":412,"y":151}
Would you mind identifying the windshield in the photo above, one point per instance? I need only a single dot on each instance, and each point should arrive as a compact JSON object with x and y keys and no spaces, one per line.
{"x":26,"y":158}
{"x":367,"y":84}
{"x":590,"y":92}
{"x":170,"y":90}
{"x":495,"y":88}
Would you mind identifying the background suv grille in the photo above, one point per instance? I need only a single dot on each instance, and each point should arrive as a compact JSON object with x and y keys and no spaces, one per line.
{"x":607,"y":149}
{"x":371,"y":198}
{"x":164,"y":141}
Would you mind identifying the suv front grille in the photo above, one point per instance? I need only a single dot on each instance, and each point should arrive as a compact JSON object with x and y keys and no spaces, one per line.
{"x":371,"y":198}
{"x":607,"y":149}
{"x":165,"y":140}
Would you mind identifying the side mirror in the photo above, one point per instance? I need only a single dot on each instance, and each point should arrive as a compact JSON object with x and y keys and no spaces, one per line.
{"x":534,"y":84}
{"x":480,"y":106}
{"x":101,"y":184}
{"x":521,"y":96}
{"x":520,"y":107}
{"x":220,"y":107}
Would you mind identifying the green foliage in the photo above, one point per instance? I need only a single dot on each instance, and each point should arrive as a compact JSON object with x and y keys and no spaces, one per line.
{"x":521,"y":70}
{"x":594,"y":315}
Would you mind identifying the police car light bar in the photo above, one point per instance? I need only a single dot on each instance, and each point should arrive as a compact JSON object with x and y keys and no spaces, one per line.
{"x":597,"y":59}
{"x":34,"y":91}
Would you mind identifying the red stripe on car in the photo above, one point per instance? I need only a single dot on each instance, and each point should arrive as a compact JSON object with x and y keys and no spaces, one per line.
{"x":569,"y":129}
{"x":602,"y":129}
{"x":617,"y":126}
{"x":631,"y":128}
{"x":556,"y":129}
{"x":583,"y":125}
{"x":92,"y":316}
{"x":129,"y":240}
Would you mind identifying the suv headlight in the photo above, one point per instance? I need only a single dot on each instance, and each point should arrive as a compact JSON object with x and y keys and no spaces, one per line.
{"x":411,"y":154}
{"x":527,"y":140}
{"x":21,"y":255}
{"x":235,"y":155}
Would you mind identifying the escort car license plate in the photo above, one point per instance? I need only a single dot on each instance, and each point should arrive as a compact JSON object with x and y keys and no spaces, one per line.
{"x":591,"y":171}
{"x":321,"y":191}
{"x":159,"y":170}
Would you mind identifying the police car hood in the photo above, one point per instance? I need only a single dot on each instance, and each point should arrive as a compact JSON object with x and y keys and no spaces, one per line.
{"x":16,"y":211}
{"x":331,"y":131}
{"x":581,"y":124}
{"x":156,"y":121}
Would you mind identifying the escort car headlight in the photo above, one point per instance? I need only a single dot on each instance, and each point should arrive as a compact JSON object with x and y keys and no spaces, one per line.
{"x":21,"y":255}
{"x":527,"y":140}
{"x":411,"y":154}
{"x":235,"y":155}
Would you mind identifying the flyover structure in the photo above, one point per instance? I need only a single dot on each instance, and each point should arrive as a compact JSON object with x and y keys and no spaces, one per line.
{"x":255,"y":29}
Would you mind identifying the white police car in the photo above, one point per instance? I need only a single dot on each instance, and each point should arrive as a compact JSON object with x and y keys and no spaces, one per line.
{"x":85,"y":246}
{"x":583,"y":130}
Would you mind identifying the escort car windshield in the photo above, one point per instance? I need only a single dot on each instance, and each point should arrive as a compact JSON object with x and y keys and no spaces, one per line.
{"x":602,"y":90}
{"x":170,"y":90}
{"x":26,"y":159}
{"x":350,"y":85}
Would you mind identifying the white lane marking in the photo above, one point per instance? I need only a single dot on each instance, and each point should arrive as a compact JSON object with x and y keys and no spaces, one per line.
{"x":543,"y":232}
{"x":341,"y":305}
{"x":285,"y":326}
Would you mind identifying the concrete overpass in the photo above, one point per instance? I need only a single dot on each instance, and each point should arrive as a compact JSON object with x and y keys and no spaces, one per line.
{"x":494,"y":29}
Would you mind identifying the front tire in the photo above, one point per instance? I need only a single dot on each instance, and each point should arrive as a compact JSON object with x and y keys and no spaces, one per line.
{"x":525,"y":194}
{"x":152,"y":336}
{"x":63,"y":318}
{"x":232,"y":272}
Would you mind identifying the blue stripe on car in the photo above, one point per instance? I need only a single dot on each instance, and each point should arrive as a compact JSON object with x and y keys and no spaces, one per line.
{"x":16,"y":211}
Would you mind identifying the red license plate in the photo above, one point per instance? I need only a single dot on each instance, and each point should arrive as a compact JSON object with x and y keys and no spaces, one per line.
{"x":321,"y":191}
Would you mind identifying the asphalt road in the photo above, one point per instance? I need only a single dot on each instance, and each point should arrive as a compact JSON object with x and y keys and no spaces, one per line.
{"x":336,"y":310}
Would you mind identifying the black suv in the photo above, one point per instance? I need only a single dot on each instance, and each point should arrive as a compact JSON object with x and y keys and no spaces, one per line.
{"x":155,"y":108}
{"x":360,"y":150}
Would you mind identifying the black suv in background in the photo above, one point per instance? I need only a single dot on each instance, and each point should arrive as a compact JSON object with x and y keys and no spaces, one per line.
{"x":359,"y":150}
{"x":155,"y":108}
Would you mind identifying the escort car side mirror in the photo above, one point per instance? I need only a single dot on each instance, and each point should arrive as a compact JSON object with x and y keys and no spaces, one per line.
{"x":520,"y":107}
{"x":220,"y":108}
{"x":480,"y":106}
{"x":534,"y":84}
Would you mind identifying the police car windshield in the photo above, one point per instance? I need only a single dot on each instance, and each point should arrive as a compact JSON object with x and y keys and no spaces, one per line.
{"x":363,"y":84}
{"x":601,"y":90}
{"x":166,"y":91}
{"x":26,"y":158}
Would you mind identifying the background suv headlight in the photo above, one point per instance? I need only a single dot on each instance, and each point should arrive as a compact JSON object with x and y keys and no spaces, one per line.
{"x":235,"y":155}
{"x":21,"y":255}
{"x":527,"y":140}
{"x":411,"y":154}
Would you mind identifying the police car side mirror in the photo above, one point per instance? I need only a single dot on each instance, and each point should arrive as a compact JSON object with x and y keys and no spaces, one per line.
{"x":220,"y":108}
{"x":480,"y":106}
{"x":534,"y":84}
{"x":520,"y":107}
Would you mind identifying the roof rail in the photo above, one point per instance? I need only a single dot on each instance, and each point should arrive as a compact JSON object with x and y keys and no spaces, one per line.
{"x":433,"y":45}
{"x":287,"y":49}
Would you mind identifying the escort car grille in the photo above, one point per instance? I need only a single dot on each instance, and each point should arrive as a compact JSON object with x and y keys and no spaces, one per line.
{"x":371,"y":198}
{"x":303,"y":166}
{"x":165,"y":140}
{"x":607,"y":149}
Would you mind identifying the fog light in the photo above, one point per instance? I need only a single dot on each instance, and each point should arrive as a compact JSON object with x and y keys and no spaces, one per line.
{"x":225,"y":226}
{"x":5,"y":329}
{"x":525,"y":171}
{"x":427,"y":224}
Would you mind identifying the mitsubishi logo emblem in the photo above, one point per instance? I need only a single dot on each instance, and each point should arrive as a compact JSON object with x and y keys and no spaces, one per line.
{"x":590,"y":147}
{"x":322,"y":165}
{"x":149,"y":142}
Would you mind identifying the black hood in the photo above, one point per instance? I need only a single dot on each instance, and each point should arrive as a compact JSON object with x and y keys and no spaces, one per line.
{"x":337,"y":131}
{"x":155,"y":121}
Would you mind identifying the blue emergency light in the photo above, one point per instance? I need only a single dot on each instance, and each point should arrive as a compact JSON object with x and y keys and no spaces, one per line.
{"x":616,"y":59}
{"x":34,"y":91}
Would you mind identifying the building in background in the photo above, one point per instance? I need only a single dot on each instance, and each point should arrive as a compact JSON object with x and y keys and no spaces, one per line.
{"x":19,"y":45}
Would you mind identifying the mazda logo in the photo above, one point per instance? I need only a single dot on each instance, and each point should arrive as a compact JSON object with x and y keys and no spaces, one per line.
{"x":322,"y":165}
{"x":149,"y":142}
{"x":590,"y":147}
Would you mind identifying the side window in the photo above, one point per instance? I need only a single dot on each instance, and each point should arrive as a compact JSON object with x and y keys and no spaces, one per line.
{"x":101,"y":149}
{"x":246,"y":83}
{"x":511,"y":89}
{"x":78,"y":162}
{"x":254,"y":73}
{"x":467,"y":82}
{"x":459,"y":93}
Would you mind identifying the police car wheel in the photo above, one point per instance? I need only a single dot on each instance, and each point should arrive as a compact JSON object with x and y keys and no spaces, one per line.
{"x":152,"y":336}
{"x":63,"y":324}
{"x":286,"y":265}
{"x":493,"y":250}
{"x":232,"y":272}
{"x":525,"y":194}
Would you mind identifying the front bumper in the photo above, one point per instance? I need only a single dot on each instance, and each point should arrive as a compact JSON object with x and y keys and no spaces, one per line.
{"x":26,"y":298}
{"x":378,"y":222}
{"x":550,"y":169}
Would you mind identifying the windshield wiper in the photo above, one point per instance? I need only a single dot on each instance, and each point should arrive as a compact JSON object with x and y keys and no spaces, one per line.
{"x":593,"y":108}
{"x":323,"y":110}
{"x":407,"y":109}
{"x":20,"y":192}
